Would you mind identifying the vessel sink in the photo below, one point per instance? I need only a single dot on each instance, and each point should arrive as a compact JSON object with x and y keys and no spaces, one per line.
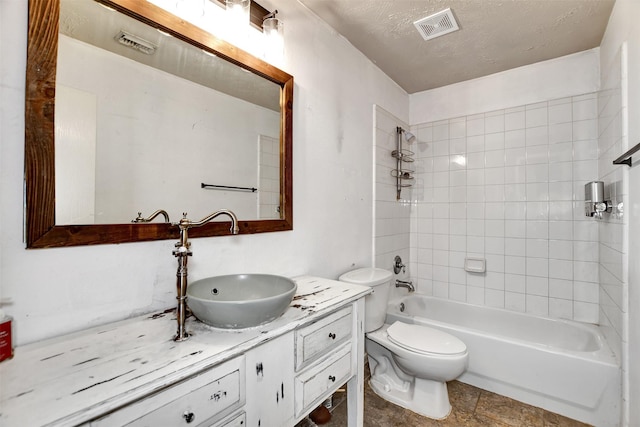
{"x":240,"y":300}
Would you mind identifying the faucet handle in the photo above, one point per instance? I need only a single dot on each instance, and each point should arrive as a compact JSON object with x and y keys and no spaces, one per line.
{"x":398,"y":265}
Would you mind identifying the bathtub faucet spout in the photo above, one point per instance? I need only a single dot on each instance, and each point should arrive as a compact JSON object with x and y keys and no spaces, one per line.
{"x":405,"y":284}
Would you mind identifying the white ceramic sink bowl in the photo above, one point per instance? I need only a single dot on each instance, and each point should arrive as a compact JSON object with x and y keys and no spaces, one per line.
{"x":240,"y":300}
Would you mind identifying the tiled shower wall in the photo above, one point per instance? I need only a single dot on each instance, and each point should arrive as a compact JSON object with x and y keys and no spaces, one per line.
{"x":508,"y":186}
{"x":613,"y":141}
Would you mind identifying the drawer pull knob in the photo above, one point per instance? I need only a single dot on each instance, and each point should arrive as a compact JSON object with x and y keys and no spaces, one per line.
{"x":189,"y":417}
{"x":332,"y":378}
{"x":332,"y":335}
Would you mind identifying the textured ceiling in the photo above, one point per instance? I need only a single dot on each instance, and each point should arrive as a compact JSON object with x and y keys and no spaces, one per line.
{"x":494,"y":35}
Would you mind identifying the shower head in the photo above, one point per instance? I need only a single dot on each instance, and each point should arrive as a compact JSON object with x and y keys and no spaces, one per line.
{"x":409,"y":136}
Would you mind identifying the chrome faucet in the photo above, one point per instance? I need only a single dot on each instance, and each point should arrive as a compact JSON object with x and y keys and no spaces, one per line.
{"x":181,"y":252}
{"x":405,"y":284}
{"x":162,"y":212}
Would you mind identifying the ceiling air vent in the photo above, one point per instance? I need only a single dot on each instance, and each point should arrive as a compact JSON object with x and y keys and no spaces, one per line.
{"x":437,"y":25}
{"x":135,"y":42}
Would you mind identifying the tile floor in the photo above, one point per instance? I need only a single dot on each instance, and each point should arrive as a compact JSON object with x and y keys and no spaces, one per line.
{"x":472,"y":407}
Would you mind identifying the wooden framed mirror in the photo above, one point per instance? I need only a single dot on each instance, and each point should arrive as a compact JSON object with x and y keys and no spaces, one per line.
{"x":42,"y":228}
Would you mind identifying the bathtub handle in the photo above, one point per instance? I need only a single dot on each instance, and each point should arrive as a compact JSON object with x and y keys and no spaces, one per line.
{"x":332,"y":335}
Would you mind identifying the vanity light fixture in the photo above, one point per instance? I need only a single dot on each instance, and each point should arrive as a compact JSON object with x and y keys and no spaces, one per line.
{"x":237,"y":20}
{"x":273,"y":37}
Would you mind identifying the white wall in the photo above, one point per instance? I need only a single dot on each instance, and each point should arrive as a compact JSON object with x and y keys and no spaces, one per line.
{"x":557,"y":78}
{"x":623,"y":28}
{"x":53,"y":291}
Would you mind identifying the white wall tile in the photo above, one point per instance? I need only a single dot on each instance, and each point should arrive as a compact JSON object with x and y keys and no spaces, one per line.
{"x":515,"y":192}
{"x":475,"y":126}
{"x":515,"y":138}
{"x":561,"y":152}
{"x":537,"y":173}
{"x":494,"y":298}
{"x":537,"y":267}
{"x":537,"y":286}
{"x":493,"y":124}
{"x":515,"y":174}
{"x":514,"y":120}
{"x":515,"y":301}
{"x":586,"y":291}
{"x":515,"y":265}
{"x":537,"y":229}
{"x":457,"y":128}
{"x":536,"y":117}
{"x":515,"y":246}
{"x":494,"y":210}
{"x":515,"y":210}
{"x":515,"y":283}
{"x":538,"y":305}
{"x":585,"y":129}
{"x":561,"y":132}
{"x":561,"y":113}
{"x":537,"y":136}
{"x":495,"y":245}
{"x":494,"y":141}
{"x":559,"y":288}
{"x":475,"y":244}
{"x":494,"y":158}
{"x":585,"y":312}
{"x":537,"y":154}
{"x":561,"y":171}
{"x":560,"y":308}
{"x":537,"y":192}
{"x":494,"y":280}
{"x":561,"y":269}
{"x":561,"y":191}
{"x":561,"y":249}
{"x":441,"y":131}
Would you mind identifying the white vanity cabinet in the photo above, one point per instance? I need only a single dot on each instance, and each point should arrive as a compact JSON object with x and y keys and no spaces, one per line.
{"x":131,"y":373}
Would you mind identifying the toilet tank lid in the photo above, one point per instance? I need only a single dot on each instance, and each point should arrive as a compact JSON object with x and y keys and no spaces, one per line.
{"x":367,"y":276}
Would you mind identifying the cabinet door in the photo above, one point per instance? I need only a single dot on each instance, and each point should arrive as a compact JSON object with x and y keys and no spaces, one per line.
{"x":269,"y":374}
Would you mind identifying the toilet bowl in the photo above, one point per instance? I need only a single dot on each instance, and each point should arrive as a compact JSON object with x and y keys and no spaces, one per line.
{"x":410,"y":364}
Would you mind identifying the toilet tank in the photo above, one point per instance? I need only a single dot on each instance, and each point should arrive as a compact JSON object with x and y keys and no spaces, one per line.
{"x":376,"y":302}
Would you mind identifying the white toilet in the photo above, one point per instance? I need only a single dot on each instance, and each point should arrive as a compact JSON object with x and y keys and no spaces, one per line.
{"x":410,"y":364}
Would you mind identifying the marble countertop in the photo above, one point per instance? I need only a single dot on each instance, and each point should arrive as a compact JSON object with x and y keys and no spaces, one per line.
{"x":69,"y":380}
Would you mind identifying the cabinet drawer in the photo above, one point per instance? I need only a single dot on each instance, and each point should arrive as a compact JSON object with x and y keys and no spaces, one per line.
{"x":205,"y":397}
{"x":319,"y":381}
{"x":320,"y":337}
{"x":239,"y":420}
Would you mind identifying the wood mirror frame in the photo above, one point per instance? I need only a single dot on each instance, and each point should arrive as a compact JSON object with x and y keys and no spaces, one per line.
{"x":40,"y":226}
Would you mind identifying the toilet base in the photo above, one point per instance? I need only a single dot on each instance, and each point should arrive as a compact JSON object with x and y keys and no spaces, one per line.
{"x":424,"y":397}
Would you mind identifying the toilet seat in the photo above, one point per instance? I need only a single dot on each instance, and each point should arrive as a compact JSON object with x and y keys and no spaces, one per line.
{"x":425,"y":340}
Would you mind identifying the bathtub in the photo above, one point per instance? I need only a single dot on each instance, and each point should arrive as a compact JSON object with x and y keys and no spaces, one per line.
{"x":561,"y":366}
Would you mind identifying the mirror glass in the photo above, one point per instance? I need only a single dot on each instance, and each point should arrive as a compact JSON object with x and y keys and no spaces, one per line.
{"x":144,"y":119}
{"x":151,"y":113}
